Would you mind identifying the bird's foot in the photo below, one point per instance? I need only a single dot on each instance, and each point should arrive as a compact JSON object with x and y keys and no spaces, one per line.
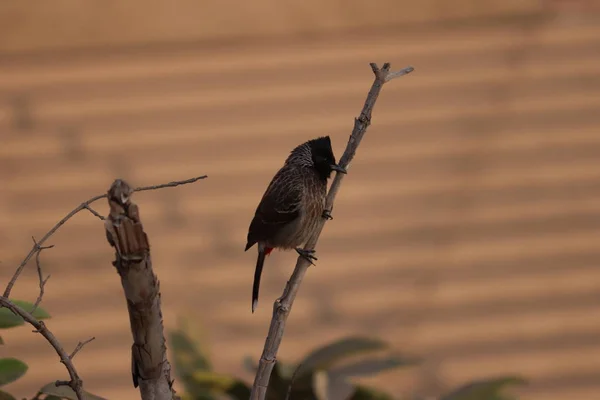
{"x":308,"y":255}
{"x":327,"y":214}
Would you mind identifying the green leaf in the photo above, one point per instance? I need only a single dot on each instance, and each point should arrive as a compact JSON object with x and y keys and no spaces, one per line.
{"x":488,"y":389}
{"x":324,"y":357}
{"x":213,"y":381}
{"x":6,"y":396}
{"x":9,"y":320}
{"x":373,"y":366}
{"x":199,"y":395}
{"x":65,"y":392}
{"x":187,"y":354}
{"x":11,"y":369}
{"x":188,"y":359}
{"x":367,"y":393}
{"x":221,"y":383}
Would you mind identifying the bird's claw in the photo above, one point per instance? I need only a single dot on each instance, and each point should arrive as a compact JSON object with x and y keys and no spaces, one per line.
{"x":308,"y":255}
{"x":327,"y":214}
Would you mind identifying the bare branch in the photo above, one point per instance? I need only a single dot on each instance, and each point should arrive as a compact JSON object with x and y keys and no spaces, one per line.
{"x":80,"y":346}
{"x":283,"y":305}
{"x":397,"y":74}
{"x":83,"y":206}
{"x":170,"y":184}
{"x":94,"y":212}
{"x":41,"y":279}
{"x":150,"y":368}
{"x":43,"y":240}
{"x":385,"y":75}
{"x":75,"y":383}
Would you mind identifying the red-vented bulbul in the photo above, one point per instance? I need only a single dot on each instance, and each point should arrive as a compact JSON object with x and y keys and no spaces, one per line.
{"x":292,"y":205}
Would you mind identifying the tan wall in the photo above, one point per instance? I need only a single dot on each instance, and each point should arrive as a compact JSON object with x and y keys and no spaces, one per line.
{"x":68,"y":23}
{"x":466,"y":232}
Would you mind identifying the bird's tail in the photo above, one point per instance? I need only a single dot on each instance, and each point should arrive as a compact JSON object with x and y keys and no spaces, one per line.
{"x":257,"y":273}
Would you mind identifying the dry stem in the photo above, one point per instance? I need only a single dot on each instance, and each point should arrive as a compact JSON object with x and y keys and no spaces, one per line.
{"x":283,"y":305}
{"x":40,"y":277}
{"x":150,"y":368}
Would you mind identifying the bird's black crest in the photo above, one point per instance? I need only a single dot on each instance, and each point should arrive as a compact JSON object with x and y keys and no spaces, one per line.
{"x":322,"y":155}
{"x":320,"y":144}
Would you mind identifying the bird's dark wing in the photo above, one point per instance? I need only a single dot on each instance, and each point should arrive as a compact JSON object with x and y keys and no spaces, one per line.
{"x":279,"y":206}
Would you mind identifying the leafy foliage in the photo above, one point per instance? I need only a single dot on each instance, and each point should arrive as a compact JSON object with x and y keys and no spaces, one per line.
{"x":323,"y":374}
{"x":64,"y":392}
{"x":326,"y":356}
{"x":488,"y":389}
{"x":194,"y":369}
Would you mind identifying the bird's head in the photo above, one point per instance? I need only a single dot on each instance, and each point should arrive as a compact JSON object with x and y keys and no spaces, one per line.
{"x":323,"y":158}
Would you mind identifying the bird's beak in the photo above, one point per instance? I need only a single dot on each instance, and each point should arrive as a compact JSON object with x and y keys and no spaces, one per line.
{"x":339,"y":169}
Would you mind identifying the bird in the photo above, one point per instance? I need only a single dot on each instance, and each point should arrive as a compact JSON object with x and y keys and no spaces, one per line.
{"x":293,"y":204}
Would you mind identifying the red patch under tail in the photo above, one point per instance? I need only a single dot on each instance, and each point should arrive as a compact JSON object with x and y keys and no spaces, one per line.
{"x":268,"y":250}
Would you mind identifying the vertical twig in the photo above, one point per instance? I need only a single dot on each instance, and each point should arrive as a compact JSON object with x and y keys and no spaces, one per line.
{"x":42,"y":281}
{"x":283,"y":305}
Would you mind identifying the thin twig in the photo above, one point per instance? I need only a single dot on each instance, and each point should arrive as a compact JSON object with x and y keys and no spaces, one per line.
{"x":75,"y":383}
{"x":39,"y":270}
{"x":283,"y":305}
{"x":83,"y":206}
{"x":43,"y":240}
{"x":94,"y":212}
{"x":289,"y":392}
{"x":80,"y":346}
{"x":170,"y":184}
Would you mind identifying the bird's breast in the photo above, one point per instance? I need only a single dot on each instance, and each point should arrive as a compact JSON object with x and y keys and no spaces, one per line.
{"x":313,"y":206}
{"x":310,"y":211}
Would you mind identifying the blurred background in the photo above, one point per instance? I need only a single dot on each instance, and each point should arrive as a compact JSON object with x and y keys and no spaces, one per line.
{"x":467,"y":231}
